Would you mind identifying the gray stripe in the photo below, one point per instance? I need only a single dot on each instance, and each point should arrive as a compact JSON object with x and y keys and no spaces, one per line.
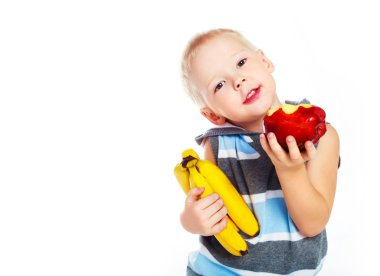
{"x":259,"y":171}
{"x":280,"y":257}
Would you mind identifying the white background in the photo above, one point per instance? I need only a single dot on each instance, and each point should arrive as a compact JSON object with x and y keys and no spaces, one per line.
{"x":93,"y":119}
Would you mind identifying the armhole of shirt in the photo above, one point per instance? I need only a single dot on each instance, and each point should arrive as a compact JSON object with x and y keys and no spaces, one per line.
{"x":214,"y":147}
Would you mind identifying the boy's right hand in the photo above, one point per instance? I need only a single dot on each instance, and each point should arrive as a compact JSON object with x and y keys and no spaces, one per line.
{"x":204,"y":216}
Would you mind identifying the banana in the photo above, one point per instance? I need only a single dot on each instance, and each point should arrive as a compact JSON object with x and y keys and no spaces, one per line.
{"x":182,"y":174}
{"x":195,"y":172}
{"x":238,"y":210}
{"x":229,"y":237}
{"x":224,"y":238}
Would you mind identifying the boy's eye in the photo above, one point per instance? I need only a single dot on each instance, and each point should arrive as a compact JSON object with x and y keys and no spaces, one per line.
{"x":219,"y":86}
{"x":241,"y":62}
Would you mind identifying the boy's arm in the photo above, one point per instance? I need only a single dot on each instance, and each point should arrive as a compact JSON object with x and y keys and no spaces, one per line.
{"x":309,"y":188}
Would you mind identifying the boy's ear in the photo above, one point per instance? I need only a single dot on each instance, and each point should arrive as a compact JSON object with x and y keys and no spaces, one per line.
{"x":267,"y":62}
{"x":212,"y":117}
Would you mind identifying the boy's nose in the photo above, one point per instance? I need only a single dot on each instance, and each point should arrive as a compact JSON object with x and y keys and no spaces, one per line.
{"x":239,"y":82}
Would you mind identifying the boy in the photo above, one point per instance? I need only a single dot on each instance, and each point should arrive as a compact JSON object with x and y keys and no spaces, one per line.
{"x":291,"y":193}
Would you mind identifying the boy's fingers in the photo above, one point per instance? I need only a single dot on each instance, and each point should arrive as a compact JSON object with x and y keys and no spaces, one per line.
{"x":217,"y":212}
{"x":194,"y":194}
{"x":207,"y":201}
{"x":213,"y":208}
{"x":277,"y":150}
{"x":294,"y":151}
{"x":311,"y":151}
{"x":218,"y":227}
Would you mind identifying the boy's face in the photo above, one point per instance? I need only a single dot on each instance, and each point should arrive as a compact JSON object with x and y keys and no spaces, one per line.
{"x":234,"y":80}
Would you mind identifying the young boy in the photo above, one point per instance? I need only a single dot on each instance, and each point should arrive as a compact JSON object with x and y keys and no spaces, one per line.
{"x":291,"y":193}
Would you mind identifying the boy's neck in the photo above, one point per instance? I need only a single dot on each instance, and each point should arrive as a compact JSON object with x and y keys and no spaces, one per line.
{"x":258,"y":126}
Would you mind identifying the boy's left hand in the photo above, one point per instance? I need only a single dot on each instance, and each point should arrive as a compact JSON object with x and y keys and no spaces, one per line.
{"x":286,"y":160}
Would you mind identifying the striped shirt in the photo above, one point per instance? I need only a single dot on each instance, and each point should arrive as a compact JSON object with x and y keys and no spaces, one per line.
{"x":279,"y":249}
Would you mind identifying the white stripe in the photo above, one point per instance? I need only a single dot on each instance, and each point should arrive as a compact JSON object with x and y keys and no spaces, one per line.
{"x":227,"y":153}
{"x":285,"y":236}
{"x":306,"y":272}
{"x":263,"y":196}
{"x":247,"y":139}
{"x":231,"y":153}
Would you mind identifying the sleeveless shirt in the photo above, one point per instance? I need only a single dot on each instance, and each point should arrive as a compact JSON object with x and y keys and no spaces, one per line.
{"x":279,"y":248}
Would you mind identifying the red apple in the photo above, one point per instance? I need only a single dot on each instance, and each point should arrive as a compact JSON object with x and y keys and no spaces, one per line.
{"x":305,"y":122}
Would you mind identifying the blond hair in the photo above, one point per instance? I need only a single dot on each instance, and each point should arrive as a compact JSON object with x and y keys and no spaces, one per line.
{"x":190,"y":52}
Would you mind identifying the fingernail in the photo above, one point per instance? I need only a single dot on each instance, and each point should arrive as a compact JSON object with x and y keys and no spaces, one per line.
{"x":289,"y":139}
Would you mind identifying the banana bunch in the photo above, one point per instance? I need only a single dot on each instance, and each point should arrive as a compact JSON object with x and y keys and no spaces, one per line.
{"x":195,"y":172}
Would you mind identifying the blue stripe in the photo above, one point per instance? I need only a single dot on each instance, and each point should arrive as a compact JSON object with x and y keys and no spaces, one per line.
{"x":236,"y":142}
{"x":206,"y":267}
{"x":273,"y":216}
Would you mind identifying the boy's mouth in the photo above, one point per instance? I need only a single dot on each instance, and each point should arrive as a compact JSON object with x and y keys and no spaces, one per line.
{"x":252,"y":95}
